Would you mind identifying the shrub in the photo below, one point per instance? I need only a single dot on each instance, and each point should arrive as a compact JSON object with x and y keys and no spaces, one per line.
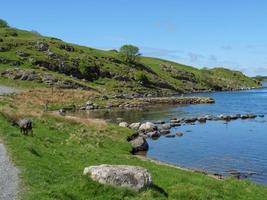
{"x":141,"y":78}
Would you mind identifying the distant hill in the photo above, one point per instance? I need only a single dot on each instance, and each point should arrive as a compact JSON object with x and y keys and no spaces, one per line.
{"x":104,"y":70}
{"x":261,"y":78}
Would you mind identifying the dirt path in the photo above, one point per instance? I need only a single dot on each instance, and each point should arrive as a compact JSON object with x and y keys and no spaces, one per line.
{"x":8,"y":172}
{"x":8,"y":176}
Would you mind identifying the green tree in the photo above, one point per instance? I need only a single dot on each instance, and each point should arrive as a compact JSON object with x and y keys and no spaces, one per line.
{"x":3,"y":23}
{"x":129,"y":53}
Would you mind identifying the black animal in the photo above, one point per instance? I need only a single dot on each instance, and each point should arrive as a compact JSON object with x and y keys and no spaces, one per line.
{"x":25,"y":126}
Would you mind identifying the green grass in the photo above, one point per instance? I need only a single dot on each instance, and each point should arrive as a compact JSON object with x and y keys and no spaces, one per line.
{"x":52,"y":161}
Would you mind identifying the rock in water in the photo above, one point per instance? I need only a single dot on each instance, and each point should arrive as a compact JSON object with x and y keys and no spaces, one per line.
{"x":148,"y":126}
{"x":135,"y":126}
{"x":131,"y":177}
{"x":123,"y":124}
{"x":139,"y":144}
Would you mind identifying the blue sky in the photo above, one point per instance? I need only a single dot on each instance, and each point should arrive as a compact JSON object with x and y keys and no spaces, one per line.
{"x":206,"y":33}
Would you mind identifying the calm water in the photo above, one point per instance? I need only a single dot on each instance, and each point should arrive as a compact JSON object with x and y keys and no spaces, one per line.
{"x":215,"y":146}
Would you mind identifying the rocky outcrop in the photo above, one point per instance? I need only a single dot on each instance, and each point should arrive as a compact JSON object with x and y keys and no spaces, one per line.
{"x":131,"y":177}
{"x":40,"y":77}
{"x":41,"y":46}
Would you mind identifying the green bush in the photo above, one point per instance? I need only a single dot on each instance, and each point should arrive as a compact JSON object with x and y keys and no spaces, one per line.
{"x":141,"y":78}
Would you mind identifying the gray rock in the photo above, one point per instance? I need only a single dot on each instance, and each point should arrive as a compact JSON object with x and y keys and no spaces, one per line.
{"x":148,"y":126}
{"x":135,"y":126}
{"x":179,"y":134}
{"x":41,"y":46}
{"x":139,"y":144}
{"x":131,"y":177}
{"x":153,"y":134}
{"x":170,"y":136}
{"x":166,"y":126}
{"x":123,"y":124}
{"x":164,"y":131}
{"x":190,"y":120}
{"x":202,"y":119}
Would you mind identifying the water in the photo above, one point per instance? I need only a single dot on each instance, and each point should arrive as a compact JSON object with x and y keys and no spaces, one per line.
{"x":215,"y":146}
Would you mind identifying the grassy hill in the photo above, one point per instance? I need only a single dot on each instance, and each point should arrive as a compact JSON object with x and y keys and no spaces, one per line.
{"x":105,"y":71}
{"x":51,"y":161}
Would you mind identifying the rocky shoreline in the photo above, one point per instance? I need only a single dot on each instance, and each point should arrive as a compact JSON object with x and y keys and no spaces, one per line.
{"x":162,"y":128}
{"x":149,"y":130}
{"x":136,"y":103}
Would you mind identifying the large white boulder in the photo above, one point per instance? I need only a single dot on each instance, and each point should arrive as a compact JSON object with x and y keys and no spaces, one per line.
{"x":135,"y":126}
{"x":123,"y":124}
{"x":131,"y":177}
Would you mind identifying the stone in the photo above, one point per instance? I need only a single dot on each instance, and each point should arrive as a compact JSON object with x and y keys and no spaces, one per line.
{"x":190,"y":120}
{"x":123,"y":124}
{"x":166,"y":126}
{"x":153,"y":134}
{"x":41,"y":46}
{"x":202,"y":119}
{"x":147,"y":126}
{"x":139,"y":144}
{"x":159,"y":122}
{"x":170,"y":136}
{"x":22,"y":54}
{"x":131,"y":177}
{"x":164,"y":131}
{"x":135,"y":125}
{"x":179,"y":134}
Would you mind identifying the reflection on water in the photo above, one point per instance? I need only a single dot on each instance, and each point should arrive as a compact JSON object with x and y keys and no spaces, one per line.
{"x":215,"y":146}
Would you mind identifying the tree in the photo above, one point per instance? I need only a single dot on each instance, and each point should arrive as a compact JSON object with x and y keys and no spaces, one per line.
{"x":3,"y":23}
{"x":129,"y":53}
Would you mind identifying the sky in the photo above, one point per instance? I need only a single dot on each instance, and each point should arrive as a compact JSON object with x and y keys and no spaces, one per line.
{"x":206,"y":33}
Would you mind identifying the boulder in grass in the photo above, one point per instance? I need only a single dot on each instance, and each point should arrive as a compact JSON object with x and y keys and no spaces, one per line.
{"x":131,"y":177}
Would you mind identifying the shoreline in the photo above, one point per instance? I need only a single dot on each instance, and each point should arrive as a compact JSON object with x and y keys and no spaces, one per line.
{"x":153,"y":160}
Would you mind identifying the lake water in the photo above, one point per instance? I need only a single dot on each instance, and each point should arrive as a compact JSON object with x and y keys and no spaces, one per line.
{"x":215,"y":146}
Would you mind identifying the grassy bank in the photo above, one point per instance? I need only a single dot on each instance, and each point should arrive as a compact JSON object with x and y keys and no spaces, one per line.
{"x":52,"y":161}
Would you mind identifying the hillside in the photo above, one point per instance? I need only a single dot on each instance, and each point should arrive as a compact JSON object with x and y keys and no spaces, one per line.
{"x":27,"y":55}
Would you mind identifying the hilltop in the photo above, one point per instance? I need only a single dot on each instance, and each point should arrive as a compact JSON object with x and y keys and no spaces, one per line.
{"x":26,"y":55}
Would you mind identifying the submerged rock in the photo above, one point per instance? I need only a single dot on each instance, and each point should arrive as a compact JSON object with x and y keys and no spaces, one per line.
{"x":131,"y":177}
{"x":170,"y":136}
{"x":179,"y":134}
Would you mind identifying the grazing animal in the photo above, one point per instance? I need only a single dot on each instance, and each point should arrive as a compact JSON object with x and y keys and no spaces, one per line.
{"x":25,"y":126}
